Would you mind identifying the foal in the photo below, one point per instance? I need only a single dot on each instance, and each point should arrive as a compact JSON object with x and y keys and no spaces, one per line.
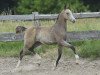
{"x":35,"y":36}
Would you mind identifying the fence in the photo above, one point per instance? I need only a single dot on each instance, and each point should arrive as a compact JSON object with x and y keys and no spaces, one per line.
{"x":72,"y":36}
{"x":37,"y":16}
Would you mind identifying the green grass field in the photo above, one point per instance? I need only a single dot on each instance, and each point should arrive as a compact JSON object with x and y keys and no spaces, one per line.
{"x":87,"y":48}
{"x":80,"y":25}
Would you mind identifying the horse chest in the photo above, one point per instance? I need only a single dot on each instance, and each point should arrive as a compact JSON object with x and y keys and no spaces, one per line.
{"x":60,"y":34}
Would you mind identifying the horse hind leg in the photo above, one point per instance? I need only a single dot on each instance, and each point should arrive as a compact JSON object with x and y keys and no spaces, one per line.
{"x":20,"y":59}
{"x":35,"y":45}
{"x":22,"y":53}
{"x":66,"y":44}
{"x":25,"y":49}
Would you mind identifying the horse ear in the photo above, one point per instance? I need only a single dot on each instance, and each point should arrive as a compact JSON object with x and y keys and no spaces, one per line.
{"x":66,"y":6}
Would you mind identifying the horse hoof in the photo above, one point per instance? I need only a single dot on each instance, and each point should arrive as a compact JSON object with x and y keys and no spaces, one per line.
{"x":38,"y":57}
{"x":38,"y":64}
{"x":14,"y":70}
{"x":77,"y":63}
{"x":54,"y":68}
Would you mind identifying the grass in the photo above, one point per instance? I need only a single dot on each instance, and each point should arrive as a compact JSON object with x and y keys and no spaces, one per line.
{"x":85,"y":25}
{"x":10,"y":48}
{"x":9,"y":26}
{"x":91,"y":49}
{"x":13,"y":48}
{"x":87,"y":48}
{"x":80,"y":25}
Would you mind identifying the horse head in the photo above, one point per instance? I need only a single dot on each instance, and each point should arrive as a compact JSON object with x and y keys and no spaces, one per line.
{"x":68,"y":15}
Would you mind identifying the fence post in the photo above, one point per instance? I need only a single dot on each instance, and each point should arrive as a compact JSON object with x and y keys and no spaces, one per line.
{"x":36,"y":18}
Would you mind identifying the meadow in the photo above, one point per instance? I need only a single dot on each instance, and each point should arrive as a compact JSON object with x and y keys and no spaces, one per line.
{"x":86,"y":48}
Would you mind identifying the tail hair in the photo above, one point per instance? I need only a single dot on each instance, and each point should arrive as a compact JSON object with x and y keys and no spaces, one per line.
{"x":20,"y":29}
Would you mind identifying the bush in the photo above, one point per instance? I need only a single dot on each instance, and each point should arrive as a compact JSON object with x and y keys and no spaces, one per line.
{"x":49,"y":6}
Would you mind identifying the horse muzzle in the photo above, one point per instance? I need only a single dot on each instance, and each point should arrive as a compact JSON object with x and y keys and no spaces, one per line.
{"x":74,"y":20}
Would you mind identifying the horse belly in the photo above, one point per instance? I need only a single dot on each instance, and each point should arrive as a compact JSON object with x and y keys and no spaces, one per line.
{"x":45,"y":38}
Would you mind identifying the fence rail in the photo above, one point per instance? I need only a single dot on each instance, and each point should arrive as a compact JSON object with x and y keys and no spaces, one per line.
{"x":35,"y":16}
{"x":71,"y":36}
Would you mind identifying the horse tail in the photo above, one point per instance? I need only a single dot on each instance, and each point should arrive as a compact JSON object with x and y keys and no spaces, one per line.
{"x":20,"y":29}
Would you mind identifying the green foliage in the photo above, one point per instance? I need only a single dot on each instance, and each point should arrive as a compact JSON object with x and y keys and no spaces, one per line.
{"x":94,"y":5}
{"x":48,"y":6}
{"x":8,"y":6}
{"x":42,"y":6}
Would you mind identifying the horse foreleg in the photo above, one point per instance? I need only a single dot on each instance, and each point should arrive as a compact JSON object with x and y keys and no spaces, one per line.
{"x":59,"y":54}
{"x":66,"y":44}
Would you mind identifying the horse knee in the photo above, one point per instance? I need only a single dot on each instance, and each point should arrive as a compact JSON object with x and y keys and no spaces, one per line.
{"x":66,"y":44}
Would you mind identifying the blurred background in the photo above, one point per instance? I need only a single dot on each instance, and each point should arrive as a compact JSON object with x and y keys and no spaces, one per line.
{"x":47,"y":6}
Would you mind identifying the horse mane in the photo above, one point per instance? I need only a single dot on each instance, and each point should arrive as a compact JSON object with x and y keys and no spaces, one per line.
{"x":58,"y":16}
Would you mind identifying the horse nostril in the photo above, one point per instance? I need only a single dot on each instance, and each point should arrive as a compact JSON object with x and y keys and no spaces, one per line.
{"x":73,"y":21}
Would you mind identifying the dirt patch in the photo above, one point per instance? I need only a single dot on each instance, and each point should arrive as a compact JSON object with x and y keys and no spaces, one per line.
{"x":30,"y":66}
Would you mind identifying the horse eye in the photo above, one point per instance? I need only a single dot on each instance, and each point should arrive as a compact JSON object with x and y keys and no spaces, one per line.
{"x":67,"y":13}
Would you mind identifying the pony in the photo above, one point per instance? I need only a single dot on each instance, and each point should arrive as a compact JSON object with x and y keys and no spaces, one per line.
{"x":56,"y":34}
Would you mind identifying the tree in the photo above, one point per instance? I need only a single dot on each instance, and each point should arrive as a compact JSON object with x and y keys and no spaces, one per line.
{"x":7,"y":5}
{"x":94,"y":5}
{"x":48,"y":6}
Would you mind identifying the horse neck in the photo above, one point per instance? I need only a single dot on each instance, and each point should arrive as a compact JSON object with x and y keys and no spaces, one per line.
{"x":61,"y":22}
